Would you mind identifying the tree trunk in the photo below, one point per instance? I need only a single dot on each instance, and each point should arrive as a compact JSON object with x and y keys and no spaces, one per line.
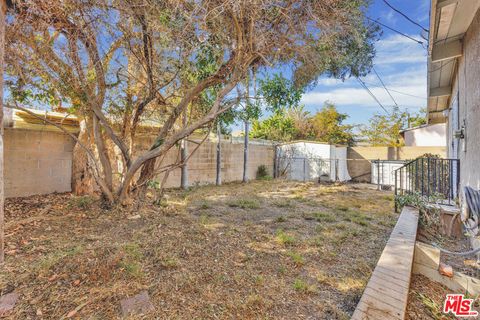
{"x":83,"y":182}
{"x":245,"y":153}
{"x":146,"y":174}
{"x":218,"y":179}
{"x":183,"y":156}
{"x":3,"y":8}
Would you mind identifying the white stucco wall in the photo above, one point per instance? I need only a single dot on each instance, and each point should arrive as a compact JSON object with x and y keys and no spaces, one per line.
{"x":427,"y":136}
{"x":466,"y":97}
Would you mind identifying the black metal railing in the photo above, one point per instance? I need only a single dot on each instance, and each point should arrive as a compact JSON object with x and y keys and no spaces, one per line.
{"x":430,"y":178}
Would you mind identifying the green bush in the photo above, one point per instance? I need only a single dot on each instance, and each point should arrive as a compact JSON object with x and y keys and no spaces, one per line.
{"x":262,"y":173}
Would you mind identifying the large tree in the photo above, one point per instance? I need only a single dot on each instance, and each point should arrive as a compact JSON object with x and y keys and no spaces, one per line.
{"x":122,"y":65}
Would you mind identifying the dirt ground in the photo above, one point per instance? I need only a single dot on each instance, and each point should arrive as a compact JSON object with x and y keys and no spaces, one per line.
{"x":264,"y":250}
{"x":426,"y":298}
{"x":465,"y":264}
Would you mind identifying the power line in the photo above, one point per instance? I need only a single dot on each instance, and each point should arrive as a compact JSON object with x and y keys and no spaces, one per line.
{"x":384,"y":86}
{"x":394,"y":30}
{"x":443,"y":65}
{"x":405,"y":16}
{"x":371,"y":94}
{"x":400,"y":92}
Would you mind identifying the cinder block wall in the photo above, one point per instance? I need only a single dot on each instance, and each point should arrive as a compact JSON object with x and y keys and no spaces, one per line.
{"x":37,"y":162}
{"x":202,"y":165}
{"x":359,"y":159}
{"x":40,"y":162}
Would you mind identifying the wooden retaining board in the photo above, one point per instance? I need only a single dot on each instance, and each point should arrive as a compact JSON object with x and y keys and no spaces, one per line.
{"x":426,"y":262}
{"x":386,"y":294}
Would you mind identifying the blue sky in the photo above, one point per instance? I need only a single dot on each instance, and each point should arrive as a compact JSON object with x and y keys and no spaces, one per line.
{"x":400,"y":62}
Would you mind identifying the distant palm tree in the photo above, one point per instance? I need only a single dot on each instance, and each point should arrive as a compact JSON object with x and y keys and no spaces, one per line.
{"x":301,"y":117}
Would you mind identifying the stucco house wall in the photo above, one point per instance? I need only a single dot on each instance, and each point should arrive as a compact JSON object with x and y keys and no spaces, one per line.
{"x":464,"y":109}
{"x":426,"y":136}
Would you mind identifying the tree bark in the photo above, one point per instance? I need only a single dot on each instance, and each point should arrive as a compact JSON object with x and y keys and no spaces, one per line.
{"x":83,"y":181}
{"x":3,"y":8}
{"x":218,"y":180}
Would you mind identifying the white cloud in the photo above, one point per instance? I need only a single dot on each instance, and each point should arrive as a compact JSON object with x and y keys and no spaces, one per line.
{"x":402,"y":65}
{"x":389,"y":17}
{"x":351,"y":94}
{"x":398,"y":49}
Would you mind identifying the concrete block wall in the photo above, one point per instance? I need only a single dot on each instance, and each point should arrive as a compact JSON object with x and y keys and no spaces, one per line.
{"x":202,"y":165}
{"x":40,"y":162}
{"x":359,"y":159}
{"x":37,"y":162}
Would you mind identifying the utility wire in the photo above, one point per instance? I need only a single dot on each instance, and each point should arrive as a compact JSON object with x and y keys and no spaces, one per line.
{"x":371,"y":94}
{"x":394,"y":30}
{"x":384,"y":86}
{"x":405,"y":16}
{"x":400,"y":92}
{"x":443,"y":65}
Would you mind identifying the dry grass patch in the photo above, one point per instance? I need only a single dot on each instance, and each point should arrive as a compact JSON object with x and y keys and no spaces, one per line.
{"x":255,"y":250}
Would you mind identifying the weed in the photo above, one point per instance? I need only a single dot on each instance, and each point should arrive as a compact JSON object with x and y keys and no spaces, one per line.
{"x":281,"y":219}
{"x":344,"y":235}
{"x":130,"y":261}
{"x":389,"y":197}
{"x":357,"y":218}
{"x":244,"y":203}
{"x":324,"y":217}
{"x":302,"y":286}
{"x":284,"y":238}
{"x":52,"y":259}
{"x":297,"y":258}
{"x":204,"y":205}
{"x":299,"y":197}
{"x":170,"y":262}
{"x":262,"y":173}
{"x":82,"y":202}
{"x":317,"y":242}
{"x":259,"y":280}
{"x":204,"y":219}
{"x":255,"y":300}
{"x":162,"y":203}
{"x":323,"y":278}
{"x":431,"y":305}
{"x":341,"y":226}
{"x":283,"y":203}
